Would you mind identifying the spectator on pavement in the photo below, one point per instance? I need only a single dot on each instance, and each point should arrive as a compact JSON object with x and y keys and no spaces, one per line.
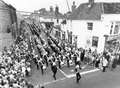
{"x":105,"y":63}
{"x":78,"y":75}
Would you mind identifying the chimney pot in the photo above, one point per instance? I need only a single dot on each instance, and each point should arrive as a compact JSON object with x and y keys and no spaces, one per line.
{"x":51,"y":9}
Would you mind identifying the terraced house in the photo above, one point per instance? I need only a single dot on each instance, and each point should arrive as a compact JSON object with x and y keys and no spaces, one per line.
{"x":92,"y":21}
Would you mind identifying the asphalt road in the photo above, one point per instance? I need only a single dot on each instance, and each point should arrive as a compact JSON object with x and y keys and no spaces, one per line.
{"x":97,"y":79}
{"x":109,"y":79}
{"x":37,"y":78}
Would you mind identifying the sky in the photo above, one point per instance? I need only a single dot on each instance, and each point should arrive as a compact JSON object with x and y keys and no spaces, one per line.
{"x":31,"y":5}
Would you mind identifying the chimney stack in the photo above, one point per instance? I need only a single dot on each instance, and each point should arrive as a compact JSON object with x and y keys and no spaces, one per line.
{"x":57,"y":9}
{"x":91,"y":2}
{"x":73,"y":6}
{"x":51,"y":9}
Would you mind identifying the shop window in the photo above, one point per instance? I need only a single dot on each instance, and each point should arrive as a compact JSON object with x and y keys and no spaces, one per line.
{"x":95,"y":41}
{"x":90,"y":26}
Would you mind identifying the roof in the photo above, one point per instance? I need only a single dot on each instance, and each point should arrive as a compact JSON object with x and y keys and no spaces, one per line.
{"x":112,"y":8}
{"x":7,"y":5}
{"x":4,"y":5}
{"x":10,"y":6}
{"x":49,"y":14}
{"x":4,"y":2}
{"x":84,"y":12}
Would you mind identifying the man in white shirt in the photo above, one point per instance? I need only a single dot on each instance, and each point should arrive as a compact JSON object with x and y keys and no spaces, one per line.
{"x":105,"y":63}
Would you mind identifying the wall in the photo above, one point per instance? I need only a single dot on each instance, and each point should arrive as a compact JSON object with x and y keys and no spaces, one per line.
{"x":66,"y":27}
{"x":110,"y":17}
{"x":5,"y":20}
{"x":80,"y":28}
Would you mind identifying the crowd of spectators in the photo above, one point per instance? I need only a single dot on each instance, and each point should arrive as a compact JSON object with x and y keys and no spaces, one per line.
{"x":16,"y":61}
{"x":15,"y":65}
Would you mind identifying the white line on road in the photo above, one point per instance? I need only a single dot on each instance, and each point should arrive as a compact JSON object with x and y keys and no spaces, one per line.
{"x":72,"y":70}
{"x":62,"y":72}
{"x":84,"y":67}
{"x":70,"y":76}
{"x":83,"y":73}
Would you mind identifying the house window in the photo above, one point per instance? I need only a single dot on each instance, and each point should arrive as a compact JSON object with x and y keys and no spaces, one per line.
{"x":95,"y":41}
{"x":90,"y":26}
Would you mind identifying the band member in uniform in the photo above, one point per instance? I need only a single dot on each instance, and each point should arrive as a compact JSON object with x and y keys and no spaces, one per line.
{"x":68,"y":64}
{"x":59,"y":62}
{"x":38,"y":62}
{"x":75,"y":59}
{"x":46,"y":61}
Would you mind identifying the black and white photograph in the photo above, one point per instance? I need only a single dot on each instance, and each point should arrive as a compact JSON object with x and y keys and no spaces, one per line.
{"x":59,"y":43}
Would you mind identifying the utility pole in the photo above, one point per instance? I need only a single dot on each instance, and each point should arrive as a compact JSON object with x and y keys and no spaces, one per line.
{"x":68,"y":5}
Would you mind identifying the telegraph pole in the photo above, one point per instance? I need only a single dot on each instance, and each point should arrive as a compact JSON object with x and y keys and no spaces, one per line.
{"x":68,"y":5}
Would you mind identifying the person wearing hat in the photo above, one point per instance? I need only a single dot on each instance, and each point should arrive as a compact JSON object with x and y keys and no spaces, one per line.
{"x":68,"y":64}
{"x":59,"y":61}
{"x":75,"y":59}
{"x":78,"y":75}
{"x":46,"y":61}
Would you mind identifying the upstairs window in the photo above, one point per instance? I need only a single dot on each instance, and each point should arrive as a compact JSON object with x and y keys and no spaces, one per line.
{"x":90,"y":26}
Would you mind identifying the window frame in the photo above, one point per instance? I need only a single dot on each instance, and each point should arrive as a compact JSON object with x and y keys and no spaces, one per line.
{"x":90,"y":26}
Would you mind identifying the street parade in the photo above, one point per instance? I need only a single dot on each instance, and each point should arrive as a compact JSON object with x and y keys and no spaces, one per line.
{"x":41,"y":54}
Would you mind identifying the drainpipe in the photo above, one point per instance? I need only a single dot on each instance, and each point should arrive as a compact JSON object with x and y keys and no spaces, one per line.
{"x":106,"y":38}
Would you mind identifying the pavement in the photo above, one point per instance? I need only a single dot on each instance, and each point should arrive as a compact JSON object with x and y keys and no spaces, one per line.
{"x":46,"y":78}
{"x":91,"y":78}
